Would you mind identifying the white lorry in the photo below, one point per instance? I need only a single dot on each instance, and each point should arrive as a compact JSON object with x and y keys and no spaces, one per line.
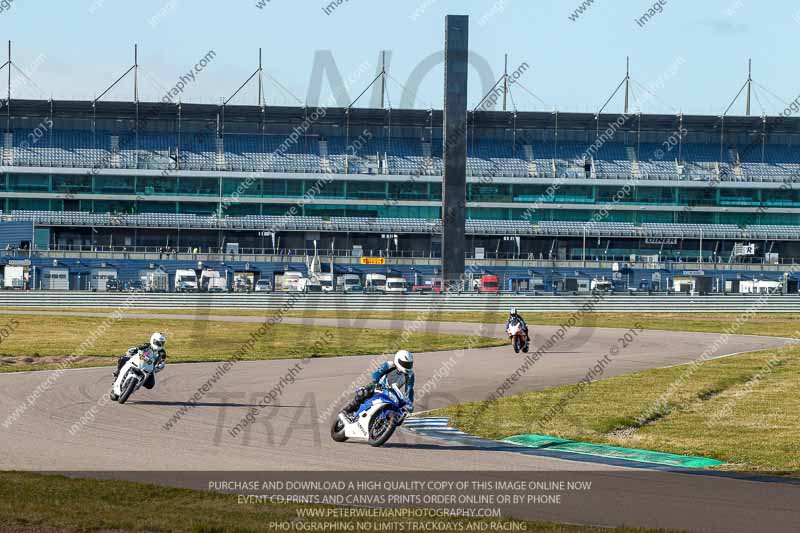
{"x":154,"y":280}
{"x":263,"y":285}
{"x":185,"y":280}
{"x":313,"y":285}
{"x":375,"y":282}
{"x":14,"y":277}
{"x":326,"y":280}
{"x":349,"y":283}
{"x":761,"y":286}
{"x":601,"y":285}
{"x":290,"y":281}
{"x":213,"y":281}
{"x":396,"y":285}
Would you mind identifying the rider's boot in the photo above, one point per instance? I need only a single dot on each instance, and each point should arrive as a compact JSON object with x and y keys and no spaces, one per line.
{"x":120,"y":363}
{"x":350,"y":409}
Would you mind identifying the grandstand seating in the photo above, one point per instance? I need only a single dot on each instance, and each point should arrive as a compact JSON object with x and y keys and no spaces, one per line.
{"x":612,"y":160}
{"x":568,"y":228}
{"x":261,"y":222}
{"x":653,"y":163}
{"x":758,"y":231}
{"x":400,"y":156}
{"x":723,"y":231}
{"x":405,"y":225}
{"x":767,"y":172}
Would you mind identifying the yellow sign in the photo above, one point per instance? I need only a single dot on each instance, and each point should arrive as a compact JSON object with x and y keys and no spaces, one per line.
{"x":373,"y":260}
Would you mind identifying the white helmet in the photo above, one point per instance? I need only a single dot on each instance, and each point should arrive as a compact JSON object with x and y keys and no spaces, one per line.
{"x":157,"y":341}
{"x":403,"y":361}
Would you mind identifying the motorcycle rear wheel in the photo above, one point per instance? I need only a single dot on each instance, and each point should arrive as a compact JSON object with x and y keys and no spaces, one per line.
{"x":379,"y":434}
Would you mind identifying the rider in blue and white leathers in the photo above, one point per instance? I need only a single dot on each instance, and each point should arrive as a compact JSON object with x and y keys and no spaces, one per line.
{"x":399,"y":372}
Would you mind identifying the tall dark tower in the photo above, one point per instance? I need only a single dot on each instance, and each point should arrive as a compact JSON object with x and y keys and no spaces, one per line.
{"x":454,"y":183}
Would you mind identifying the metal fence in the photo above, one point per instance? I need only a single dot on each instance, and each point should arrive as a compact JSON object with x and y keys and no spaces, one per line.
{"x":478,"y":303}
{"x":491,"y":261}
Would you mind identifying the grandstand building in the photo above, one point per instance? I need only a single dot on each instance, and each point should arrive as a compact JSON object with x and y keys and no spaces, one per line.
{"x":541,"y":186}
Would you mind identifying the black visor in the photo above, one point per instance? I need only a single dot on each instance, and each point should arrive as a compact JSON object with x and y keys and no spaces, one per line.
{"x":406,"y":364}
{"x":159,"y":343}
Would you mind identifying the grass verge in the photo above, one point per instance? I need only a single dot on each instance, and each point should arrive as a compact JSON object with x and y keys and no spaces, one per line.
{"x":38,"y":341}
{"x":744,"y":410}
{"x":34,"y":502}
{"x":771,"y":324}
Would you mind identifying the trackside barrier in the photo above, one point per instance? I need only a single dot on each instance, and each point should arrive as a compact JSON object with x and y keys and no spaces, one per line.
{"x":613,"y":303}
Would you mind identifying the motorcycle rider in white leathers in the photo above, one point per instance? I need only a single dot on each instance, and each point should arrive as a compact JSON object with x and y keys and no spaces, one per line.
{"x":398,"y":372}
{"x":156,"y":345}
{"x":514,"y":315}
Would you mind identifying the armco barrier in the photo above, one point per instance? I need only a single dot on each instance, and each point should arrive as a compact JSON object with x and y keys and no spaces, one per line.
{"x":676,"y":303}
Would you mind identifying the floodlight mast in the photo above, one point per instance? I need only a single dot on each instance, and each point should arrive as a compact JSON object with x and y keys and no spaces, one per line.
{"x":10,"y":64}
{"x":135,"y":69}
{"x":626,"y":82}
{"x":136,"y":96}
{"x":505,"y":81}
{"x":258,"y":72}
{"x":381,"y":76}
{"x":8,"y":98}
{"x":747,"y":85}
{"x":136,"y":73}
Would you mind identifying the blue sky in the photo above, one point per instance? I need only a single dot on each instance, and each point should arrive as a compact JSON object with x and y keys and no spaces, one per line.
{"x":83,"y":45}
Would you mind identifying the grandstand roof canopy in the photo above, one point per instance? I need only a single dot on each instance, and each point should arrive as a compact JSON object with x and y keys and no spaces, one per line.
{"x":244,"y":114}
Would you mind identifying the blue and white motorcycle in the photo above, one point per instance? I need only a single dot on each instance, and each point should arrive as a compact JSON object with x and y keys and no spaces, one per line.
{"x":376,"y":419}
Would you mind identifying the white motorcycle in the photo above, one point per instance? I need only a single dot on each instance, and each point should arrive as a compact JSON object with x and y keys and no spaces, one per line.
{"x":516,"y":334}
{"x":133,"y":374}
{"x":375,"y":420}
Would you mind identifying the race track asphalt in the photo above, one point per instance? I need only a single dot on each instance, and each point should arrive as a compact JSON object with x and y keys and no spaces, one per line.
{"x":130,"y":441}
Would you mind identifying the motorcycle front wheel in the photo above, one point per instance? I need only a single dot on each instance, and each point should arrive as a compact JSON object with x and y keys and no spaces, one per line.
{"x":517,"y":344}
{"x":128,"y":391}
{"x":337,"y":431}
{"x":381,"y":428}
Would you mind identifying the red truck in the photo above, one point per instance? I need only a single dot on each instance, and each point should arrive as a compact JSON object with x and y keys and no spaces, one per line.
{"x":489,"y":283}
{"x":433,"y":285}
